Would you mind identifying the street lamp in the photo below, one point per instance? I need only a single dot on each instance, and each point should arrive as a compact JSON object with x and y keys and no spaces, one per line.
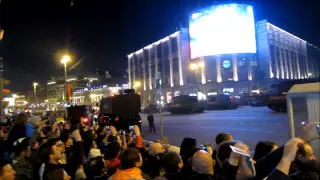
{"x":65,"y":59}
{"x":137,"y":84}
{"x":195,"y":67}
{"x":35,"y":91}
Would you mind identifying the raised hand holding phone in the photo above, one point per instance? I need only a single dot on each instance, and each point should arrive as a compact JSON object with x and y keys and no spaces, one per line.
{"x":311,"y":132}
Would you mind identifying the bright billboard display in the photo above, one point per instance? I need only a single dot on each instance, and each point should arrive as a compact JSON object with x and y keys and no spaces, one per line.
{"x":222,"y":29}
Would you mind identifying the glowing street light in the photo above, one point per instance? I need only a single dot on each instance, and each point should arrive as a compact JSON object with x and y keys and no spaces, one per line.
{"x":65,"y":59}
{"x":193,"y":66}
{"x":137,"y":84}
{"x":35,"y":84}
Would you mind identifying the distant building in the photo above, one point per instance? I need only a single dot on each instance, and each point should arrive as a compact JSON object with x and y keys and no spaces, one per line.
{"x":285,"y":56}
{"x":93,"y":95}
{"x":20,"y":99}
{"x":233,"y":55}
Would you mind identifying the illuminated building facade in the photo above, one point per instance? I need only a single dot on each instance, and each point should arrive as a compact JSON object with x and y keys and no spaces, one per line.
{"x":223,"y":51}
{"x":93,"y":95}
{"x":167,"y":56}
{"x":285,"y":56}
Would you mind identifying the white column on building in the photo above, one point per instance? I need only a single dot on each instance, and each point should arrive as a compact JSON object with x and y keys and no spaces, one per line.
{"x":235,"y":67}
{"x":150,"y":70}
{"x":218,"y":64}
{"x":290,"y":60}
{"x":276,"y":60}
{"x":286,"y":64}
{"x":203,"y":72}
{"x":144,"y":65}
{"x":129,"y":70}
{"x":307,"y":66}
{"x":134,"y":69}
{"x":180,"y":59}
{"x":298,"y":65}
{"x":250,"y":69}
{"x":156,"y":60}
{"x":170,"y":62}
{"x":281,"y":62}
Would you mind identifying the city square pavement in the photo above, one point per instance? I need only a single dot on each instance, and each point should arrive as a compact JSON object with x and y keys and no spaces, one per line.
{"x":248,"y":124}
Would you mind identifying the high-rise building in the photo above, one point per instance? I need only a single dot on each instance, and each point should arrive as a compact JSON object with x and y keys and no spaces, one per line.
{"x":168,"y":56}
{"x":222,"y":51}
{"x":283,"y":55}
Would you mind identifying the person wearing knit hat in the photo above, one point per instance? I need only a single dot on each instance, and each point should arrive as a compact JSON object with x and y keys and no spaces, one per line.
{"x":94,"y":153}
{"x":33,"y":122}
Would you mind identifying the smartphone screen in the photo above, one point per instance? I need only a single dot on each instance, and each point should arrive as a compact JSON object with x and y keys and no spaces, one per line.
{"x":250,"y":164}
{"x":202,"y":147}
{"x":239,"y":151}
{"x":130,"y":127}
{"x":318,"y":128}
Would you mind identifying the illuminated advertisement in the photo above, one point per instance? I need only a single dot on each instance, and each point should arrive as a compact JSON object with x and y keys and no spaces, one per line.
{"x":222,"y":29}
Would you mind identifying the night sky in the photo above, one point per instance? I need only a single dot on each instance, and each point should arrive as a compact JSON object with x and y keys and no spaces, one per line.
{"x":101,"y":33}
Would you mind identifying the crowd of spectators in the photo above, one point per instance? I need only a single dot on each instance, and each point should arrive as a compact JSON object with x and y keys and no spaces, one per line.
{"x":32,"y":148}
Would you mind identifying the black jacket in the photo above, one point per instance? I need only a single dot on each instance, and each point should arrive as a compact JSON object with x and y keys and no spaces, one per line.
{"x":53,"y":172}
{"x":268,"y":163}
{"x":24,"y":170}
{"x":36,"y":163}
{"x":201,"y":177}
{"x":309,"y":170}
{"x":75,"y":156}
{"x":173,"y":176}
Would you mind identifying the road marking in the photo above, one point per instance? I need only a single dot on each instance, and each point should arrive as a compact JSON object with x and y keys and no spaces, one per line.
{"x":279,"y":124}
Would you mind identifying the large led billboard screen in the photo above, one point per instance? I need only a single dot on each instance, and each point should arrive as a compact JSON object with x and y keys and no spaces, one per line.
{"x":222,"y":29}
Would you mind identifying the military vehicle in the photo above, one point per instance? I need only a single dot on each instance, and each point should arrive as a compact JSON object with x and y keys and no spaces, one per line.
{"x":222,"y":101}
{"x":276,"y":96}
{"x":185,"y":104}
{"x":122,"y":110}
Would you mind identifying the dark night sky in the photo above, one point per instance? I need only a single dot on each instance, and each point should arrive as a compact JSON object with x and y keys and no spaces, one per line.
{"x":103,"y":32}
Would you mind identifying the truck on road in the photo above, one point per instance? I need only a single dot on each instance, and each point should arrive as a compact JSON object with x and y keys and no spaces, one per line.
{"x":184,"y":104}
{"x":122,"y":110}
{"x":276,"y":96}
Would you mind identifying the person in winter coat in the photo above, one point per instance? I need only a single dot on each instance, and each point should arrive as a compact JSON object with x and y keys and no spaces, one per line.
{"x":17,"y":131}
{"x":131,"y":161}
{"x":202,"y":165}
{"x":172,"y":164}
{"x":150,"y":118}
{"x":112,"y":157}
{"x":23,"y":168}
{"x":309,"y":167}
{"x":32,"y":124}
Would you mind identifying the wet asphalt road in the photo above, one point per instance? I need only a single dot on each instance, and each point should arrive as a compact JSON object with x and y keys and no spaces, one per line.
{"x":248,"y":124}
